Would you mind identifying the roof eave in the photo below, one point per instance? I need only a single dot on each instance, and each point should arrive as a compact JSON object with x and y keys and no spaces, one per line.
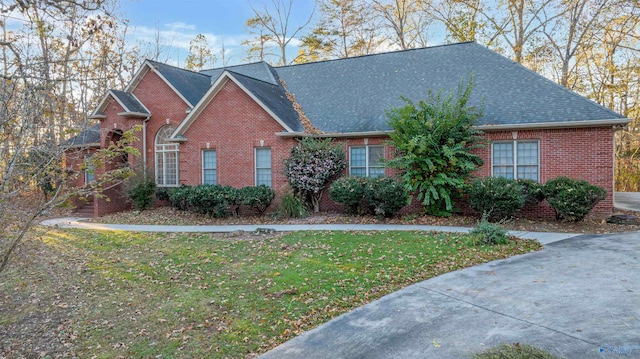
{"x":550,"y":125}
{"x":518,"y":126}
{"x":98,"y":116}
{"x":134,"y":114}
{"x":335,"y":134}
{"x":83,"y":145}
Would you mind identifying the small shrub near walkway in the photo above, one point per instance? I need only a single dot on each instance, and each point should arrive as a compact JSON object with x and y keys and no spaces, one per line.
{"x":81,"y":293}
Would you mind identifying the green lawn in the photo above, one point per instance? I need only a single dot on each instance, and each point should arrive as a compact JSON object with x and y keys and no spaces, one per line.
{"x":200,"y":295}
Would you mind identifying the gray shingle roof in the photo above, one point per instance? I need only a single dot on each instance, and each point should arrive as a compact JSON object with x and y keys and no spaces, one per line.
{"x":352,"y":95}
{"x":257,"y":70}
{"x":89,"y":136}
{"x":131,"y":104}
{"x":191,"y":85}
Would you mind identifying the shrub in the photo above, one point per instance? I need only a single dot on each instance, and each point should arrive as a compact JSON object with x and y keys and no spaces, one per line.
{"x":489,"y":233}
{"x":434,"y":140}
{"x":312,"y":165}
{"x":140,"y":191}
{"x":258,"y":198}
{"x":349,"y":192}
{"x":532,"y":191}
{"x":292,"y":206}
{"x":497,"y":198}
{"x":213,"y":200}
{"x":163,"y":193}
{"x":385,"y":195}
{"x":179,"y":197}
{"x":572,"y":199}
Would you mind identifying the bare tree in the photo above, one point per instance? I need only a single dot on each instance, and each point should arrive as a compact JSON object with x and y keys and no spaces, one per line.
{"x":408,"y":25}
{"x":275,"y":22}
{"x":200,"y":54}
{"x":54,"y":69}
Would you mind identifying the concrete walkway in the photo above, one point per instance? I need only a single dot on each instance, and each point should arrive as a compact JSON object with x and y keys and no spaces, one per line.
{"x":578,"y":298}
{"x":74,"y":222}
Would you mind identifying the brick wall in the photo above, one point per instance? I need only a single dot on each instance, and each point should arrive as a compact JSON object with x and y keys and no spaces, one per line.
{"x":234,"y":125}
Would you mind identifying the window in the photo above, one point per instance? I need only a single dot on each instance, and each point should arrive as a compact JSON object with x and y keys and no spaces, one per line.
{"x":166,"y":158}
{"x":516,"y":159}
{"x":263,"y":166}
{"x":209,"y":175}
{"x":366,"y":161}
{"x":89,"y":170}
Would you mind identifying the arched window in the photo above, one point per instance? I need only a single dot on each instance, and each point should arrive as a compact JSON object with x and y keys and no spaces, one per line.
{"x":166,"y":158}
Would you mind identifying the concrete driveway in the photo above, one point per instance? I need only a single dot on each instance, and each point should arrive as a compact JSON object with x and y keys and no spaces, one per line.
{"x":579,"y":298}
{"x":627,"y":201}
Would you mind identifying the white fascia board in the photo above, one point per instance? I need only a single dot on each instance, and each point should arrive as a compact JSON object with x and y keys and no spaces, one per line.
{"x":146,"y":66}
{"x":551,"y":125}
{"x":487,"y":128}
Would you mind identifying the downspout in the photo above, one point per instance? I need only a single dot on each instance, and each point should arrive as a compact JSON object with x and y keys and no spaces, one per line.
{"x":144,"y":146}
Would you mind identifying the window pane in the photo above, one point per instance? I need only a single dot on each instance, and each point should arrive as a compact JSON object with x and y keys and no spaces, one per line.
{"x":528,"y":172}
{"x":376,"y":172}
{"x":263,"y":176}
{"x":376,"y":155}
{"x":503,"y":171}
{"x":159,"y":169}
{"x":503,"y":154}
{"x":171,"y":170}
{"x":358,"y":157}
{"x":263,"y":166}
{"x":359,"y":172}
{"x":209,"y":177}
{"x":527,"y":153}
{"x":263,"y":157}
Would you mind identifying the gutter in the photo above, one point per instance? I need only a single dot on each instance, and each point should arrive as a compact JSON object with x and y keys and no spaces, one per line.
{"x":134,"y":114}
{"x":616,"y":123}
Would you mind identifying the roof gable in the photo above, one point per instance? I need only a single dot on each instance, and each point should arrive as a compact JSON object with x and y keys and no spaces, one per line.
{"x":130,"y":104}
{"x":188,"y":85}
{"x":270,"y":97}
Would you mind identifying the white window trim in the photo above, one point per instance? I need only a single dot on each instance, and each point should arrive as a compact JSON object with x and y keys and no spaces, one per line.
{"x":514,"y":148}
{"x":161,"y":149}
{"x":255,"y":165}
{"x":214,"y":168}
{"x":366,"y":164}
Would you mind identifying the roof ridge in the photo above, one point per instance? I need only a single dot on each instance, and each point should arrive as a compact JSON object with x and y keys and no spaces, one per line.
{"x":252,"y":78}
{"x":377,"y":54}
{"x":176,"y":67}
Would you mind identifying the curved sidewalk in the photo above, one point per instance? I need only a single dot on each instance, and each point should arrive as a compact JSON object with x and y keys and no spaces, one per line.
{"x":75,"y":222}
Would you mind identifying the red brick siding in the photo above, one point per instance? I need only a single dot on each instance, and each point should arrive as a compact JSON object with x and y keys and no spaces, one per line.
{"x":579,"y":153}
{"x":234,"y":125}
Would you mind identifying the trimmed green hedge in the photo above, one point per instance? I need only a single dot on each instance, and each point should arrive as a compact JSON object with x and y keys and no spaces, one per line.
{"x":219,"y":201}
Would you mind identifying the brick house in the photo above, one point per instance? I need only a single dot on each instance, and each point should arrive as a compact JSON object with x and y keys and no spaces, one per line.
{"x":236,"y":125}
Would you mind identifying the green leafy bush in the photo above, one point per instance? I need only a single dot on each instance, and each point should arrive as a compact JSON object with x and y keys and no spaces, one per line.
{"x":572,"y":200}
{"x":179,"y":197}
{"x":257,"y":197}
{"x":140,"y":191}
{"x":497,"y":198}
{"x":434,"y":140}
{"x":489,"y":233}
{"x":532,"y":191}
{"x":349,"y":192}
{"x":292,"y":206}
{"x":162,"y":194}
{"x":385,"y":195}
